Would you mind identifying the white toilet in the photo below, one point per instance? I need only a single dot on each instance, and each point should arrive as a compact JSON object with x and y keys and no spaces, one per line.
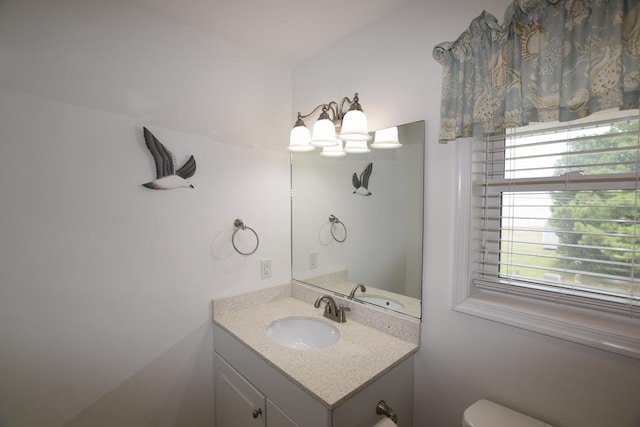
{"x":488,"y":414}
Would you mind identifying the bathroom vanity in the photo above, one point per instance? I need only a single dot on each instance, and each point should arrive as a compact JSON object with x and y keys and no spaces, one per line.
{"x":262,"y":383}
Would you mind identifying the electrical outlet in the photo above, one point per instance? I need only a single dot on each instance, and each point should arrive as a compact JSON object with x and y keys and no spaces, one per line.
{"x":265,"y":268}
{"x":313,"y":260}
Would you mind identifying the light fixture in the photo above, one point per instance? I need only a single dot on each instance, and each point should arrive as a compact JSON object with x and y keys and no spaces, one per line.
{"x":386,"y":138}
{"x":354,"y":124}
{"x":300,"y":137}
{"x":324,"y":131}
{"x":332,"y":123}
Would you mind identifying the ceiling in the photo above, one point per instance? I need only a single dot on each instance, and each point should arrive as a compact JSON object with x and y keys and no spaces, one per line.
{"x":288,"y":31}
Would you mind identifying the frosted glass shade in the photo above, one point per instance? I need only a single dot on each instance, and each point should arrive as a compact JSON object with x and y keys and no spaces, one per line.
{"x":299,"y":139}
{"x":386,"y":138}
{"x":354,"y":127}
{"x":324,"y":134}
{"x":356,"y":147}
{"x":334,"y":151}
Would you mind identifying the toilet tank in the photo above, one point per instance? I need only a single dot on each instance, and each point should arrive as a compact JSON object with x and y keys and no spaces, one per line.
{"x":484,"y":413}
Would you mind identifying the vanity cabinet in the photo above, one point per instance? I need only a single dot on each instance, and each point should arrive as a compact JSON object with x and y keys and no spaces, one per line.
{"x":245,"y":383}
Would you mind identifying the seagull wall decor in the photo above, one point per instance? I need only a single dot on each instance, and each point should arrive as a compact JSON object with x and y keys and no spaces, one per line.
{"x":361,"y":184}
{"x":167,"y":177}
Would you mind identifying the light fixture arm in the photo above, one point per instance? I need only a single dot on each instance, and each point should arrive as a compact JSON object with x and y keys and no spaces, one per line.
{"x":353,"y":105}
{"x":304,"y":116}
{"x":337,"y":110}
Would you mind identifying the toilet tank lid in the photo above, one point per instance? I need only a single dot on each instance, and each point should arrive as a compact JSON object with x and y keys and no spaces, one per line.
{"x":484,"y":413}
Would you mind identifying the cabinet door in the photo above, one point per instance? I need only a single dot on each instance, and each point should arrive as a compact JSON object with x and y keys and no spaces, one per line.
{"x":277,"y":418}
{"x":238,"y":403}
{"x":299,"y":406}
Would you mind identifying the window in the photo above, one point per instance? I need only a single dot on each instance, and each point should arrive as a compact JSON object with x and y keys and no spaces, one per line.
{"x":552,"y":216}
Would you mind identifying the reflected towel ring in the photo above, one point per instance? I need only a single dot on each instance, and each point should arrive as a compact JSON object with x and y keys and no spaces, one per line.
{"x":239,"y":224}
{"x":335,"y":222}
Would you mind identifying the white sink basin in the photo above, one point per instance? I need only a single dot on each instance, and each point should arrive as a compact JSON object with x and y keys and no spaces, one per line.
{"x":302,"y":333}
{"x":382,"y":302}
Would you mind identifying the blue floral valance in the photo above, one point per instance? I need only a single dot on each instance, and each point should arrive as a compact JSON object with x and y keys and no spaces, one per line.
{"x":553,"y":60}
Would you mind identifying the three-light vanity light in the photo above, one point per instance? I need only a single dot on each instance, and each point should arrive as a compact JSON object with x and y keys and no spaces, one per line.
{"x":335,"y":127}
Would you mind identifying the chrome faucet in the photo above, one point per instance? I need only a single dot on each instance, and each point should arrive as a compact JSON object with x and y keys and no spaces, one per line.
{"x":331,"y":310}
{"x":355,"y":288}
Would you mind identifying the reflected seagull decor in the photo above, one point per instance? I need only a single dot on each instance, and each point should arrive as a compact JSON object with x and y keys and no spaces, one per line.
{"x":167,"y":177}
{"x":361,"y":184}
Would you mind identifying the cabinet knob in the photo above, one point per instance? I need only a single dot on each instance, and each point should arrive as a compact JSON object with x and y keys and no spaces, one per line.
{"x":257,"y":412}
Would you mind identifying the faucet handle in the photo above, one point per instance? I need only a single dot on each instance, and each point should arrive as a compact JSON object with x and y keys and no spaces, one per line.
{"x":341,"y":312}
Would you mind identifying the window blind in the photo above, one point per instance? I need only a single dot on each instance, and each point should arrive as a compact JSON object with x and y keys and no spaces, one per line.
{"x":556,"y":212}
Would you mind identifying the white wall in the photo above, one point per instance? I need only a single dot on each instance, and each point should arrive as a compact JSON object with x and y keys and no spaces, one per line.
{"x":105,"y":286}
{"x":462,"y":358}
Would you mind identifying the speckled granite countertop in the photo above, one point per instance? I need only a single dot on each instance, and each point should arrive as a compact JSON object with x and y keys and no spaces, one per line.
{"x":332,"y":374}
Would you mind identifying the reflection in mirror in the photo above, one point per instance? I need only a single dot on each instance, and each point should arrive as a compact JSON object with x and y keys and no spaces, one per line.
{"x":358,"y":224}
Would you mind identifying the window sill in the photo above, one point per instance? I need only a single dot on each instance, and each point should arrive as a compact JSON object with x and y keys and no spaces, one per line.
{"x":605,"y":331}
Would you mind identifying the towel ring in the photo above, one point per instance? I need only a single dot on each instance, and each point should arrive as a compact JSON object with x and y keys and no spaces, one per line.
{"x":239,"y":224}
{"x":335,"y":222}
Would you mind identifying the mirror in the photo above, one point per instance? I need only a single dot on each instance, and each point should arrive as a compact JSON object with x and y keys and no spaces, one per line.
{"x":342,"y":236}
